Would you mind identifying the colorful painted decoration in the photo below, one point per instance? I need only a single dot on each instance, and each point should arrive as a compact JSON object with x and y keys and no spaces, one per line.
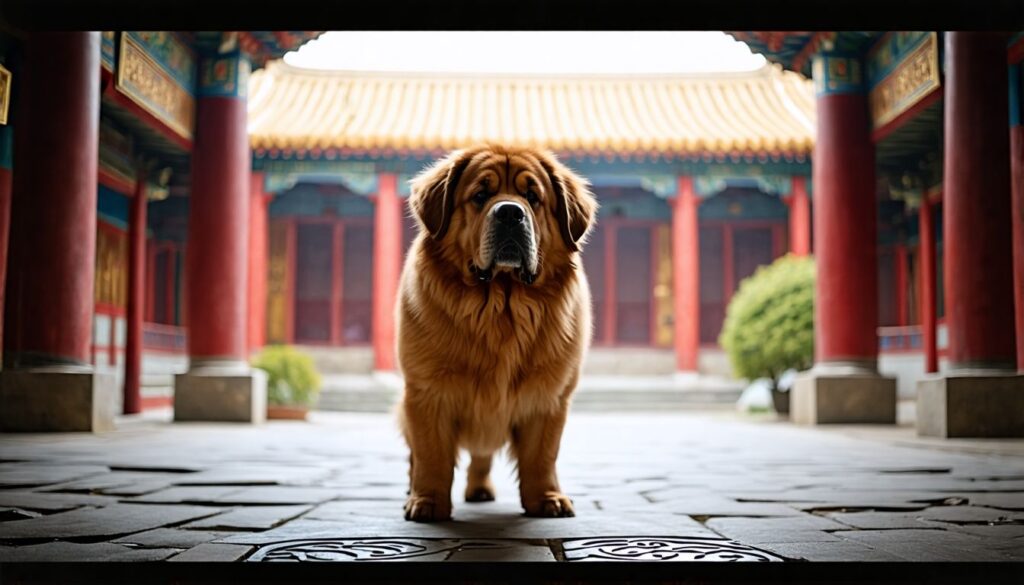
{"x":909,"y":74}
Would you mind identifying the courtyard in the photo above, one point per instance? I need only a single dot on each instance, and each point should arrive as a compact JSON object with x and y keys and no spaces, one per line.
{"x":693,"y":485}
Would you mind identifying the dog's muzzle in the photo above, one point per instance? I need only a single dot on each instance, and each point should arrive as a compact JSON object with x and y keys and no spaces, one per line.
{"x":509,"y":242}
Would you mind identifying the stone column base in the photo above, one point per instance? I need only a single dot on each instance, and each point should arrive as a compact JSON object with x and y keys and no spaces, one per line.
{"x":57,"y":399}
{"x":982,"y":405}
{"x":222,"y":394}
{"x":856,"y":397}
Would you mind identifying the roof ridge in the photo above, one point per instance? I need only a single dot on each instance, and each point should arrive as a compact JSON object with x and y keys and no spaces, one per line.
{"x":281,"y":67}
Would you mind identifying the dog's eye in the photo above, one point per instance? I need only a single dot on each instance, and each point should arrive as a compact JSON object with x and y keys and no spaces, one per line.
{"x":532,"y":198}
{"x":480,"y":198}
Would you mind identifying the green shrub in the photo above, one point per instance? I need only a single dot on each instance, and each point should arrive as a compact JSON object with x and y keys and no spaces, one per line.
{"x":769,"y":324}
{"x":292,"y":379}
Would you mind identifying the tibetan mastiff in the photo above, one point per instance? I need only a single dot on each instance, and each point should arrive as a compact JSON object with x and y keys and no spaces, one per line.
{"x":493,"y":319}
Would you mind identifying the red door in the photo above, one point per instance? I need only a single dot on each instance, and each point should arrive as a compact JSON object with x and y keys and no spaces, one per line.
{"x":619,"y":261}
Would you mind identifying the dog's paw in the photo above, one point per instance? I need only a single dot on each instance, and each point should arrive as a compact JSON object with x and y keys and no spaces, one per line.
{"x":551,"y":505}
{"x":427,"y":509}
{"x":482,"y":493}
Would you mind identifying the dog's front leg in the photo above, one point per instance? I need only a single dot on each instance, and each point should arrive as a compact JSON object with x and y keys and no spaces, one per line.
{"x":431,"y":439}
{"x":535,"y":443}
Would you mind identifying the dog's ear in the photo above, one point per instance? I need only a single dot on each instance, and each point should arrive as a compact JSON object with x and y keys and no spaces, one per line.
{"x":432,"y":193}
{"x":575,"y":205}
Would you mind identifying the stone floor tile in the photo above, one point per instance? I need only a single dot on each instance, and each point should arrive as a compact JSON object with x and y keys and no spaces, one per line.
{"x":885,"y":537}
{"x":9,"y":514}
{"x":1003,"y":500}
{"x":928,"y":545}
{"x":33,"y":474}
{"x":832,"y":551}
{"x":73,"y":552}
{"x":722,"y":506}
{"x":503,"y":552}
{"x":250,"y":518}
{"x":884,"y":520}
{"x":255,"y":475}
{"x":171,"y":538}
{"x":213,"y":552}
{"x":51,"y":502}
{"x":965,"y":514}
{"x":112,"y":520}
{"x":105,"y":482}
{"x":1001,"y":531}
{"x":804,"y":528}
{"x":187,"y":495}
{"x":269,"y":495}
{"x":483,"y":524}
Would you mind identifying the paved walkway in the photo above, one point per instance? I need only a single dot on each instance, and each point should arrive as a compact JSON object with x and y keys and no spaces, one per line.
{"x":671,"y":487}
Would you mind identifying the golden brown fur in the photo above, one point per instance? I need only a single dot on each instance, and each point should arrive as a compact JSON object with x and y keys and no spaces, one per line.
{"x":491,"y":363}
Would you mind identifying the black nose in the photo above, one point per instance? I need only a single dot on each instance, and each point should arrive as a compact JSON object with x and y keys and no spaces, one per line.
{"x":509,"y":213}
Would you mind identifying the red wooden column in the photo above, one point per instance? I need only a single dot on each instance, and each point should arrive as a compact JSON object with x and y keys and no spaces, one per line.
{"x":387,"y":268}
{"x":686,"y":275}
{"x":6,"y":158}
{"x":136,"y":297}
{"x":1017,"y":188}
{"x":259,"y":252}
{"x":977,"y":204}
{"x":48,"y":382}
{"x":981,"y":397}
{"x":219,"y":385}
{"x":799,"y":218}
{"x":926,"y":237}
{"x":844,"y":385}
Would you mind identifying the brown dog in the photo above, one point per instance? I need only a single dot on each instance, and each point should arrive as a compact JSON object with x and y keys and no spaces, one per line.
{"x":492,"y":323}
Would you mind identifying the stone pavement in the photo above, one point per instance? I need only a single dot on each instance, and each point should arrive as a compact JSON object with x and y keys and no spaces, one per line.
{"x":674,"y":486}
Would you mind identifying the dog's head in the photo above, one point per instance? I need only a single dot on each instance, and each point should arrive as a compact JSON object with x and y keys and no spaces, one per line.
{"x":494,"y":209}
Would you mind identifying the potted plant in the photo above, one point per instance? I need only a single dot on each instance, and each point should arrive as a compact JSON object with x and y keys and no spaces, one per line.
{"x":293,"y":382}
{"x":769,"y":325}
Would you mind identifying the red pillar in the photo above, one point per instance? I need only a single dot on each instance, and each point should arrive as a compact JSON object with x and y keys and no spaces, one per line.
{"x":686,"y":275}
{"x":258,"y":256}
{"x":926,"y":237}
{"x":977,"y":203}
{"x":136,"y":297}
{"x":6,"y":146}
{"x":52,"y":255}
{"x":846,"y":305}
{"x":387,"y":268}
{"x":799,"y":218}
{"x":217,"y":255}
{"x":1017,"y":185}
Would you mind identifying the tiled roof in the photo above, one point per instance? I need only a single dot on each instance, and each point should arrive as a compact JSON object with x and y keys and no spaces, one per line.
{"x":769,"y":111}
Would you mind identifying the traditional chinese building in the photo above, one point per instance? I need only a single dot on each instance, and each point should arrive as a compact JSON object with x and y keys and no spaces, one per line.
{"x":918,"y":186}
{"x":701,"y":179}
{"x":169,"y":214}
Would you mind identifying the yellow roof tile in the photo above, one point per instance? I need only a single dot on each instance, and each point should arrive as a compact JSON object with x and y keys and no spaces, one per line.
{"x":768,"y":111}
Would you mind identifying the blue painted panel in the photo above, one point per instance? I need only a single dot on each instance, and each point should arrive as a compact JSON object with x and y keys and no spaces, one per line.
{"x":113,"y":207}
{"x":743,"y":204}
{"x":586,"y":167}
{"x":306,"y":200}
{"x":837,"y":74}
{"x":1016,"y":94}
{"x":890,"y":52}
{"x":6,"y":147}
{"x":225,"y":76}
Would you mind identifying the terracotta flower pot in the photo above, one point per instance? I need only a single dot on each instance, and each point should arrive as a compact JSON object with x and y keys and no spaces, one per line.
{"x":287,"y":412}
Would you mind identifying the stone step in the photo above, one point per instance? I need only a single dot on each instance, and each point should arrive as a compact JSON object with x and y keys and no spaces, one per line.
{"x":380,"y":392}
